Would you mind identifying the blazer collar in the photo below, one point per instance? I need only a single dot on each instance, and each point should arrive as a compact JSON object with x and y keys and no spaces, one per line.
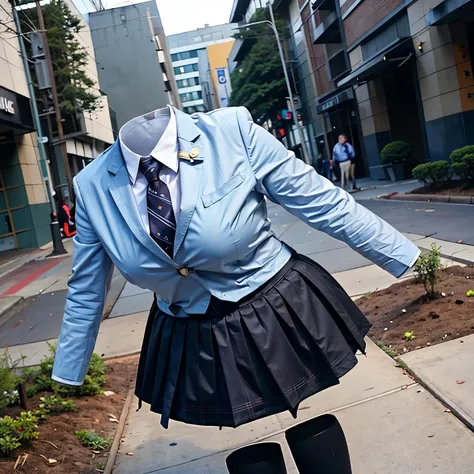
{"x":188,"y":141}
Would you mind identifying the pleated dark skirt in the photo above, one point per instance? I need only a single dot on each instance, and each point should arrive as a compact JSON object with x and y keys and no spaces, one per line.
{"x":292,"y":338}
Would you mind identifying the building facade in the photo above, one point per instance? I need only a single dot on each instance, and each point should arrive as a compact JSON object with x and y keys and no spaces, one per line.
{"x":24,"y":208}
{"x":24,"y":205}
{"x":134,"y":63}
{"x":92,"y":132}
{"x":393,"y":70}
{"x":200,"y":61}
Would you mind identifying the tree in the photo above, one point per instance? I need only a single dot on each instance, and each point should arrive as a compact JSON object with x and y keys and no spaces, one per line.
{"x":69,"y":58}
{"x":258,"y":83}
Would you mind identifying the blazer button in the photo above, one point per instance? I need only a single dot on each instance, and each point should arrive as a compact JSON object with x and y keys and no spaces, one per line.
{"x":183,"y":272}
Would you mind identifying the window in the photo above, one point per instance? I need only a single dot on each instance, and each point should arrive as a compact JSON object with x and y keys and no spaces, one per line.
{"x":194,"y":109}
{"x":189,"y":96}
{"x":190,"y":82}
{"x":185,"y":69}
{"x":184,"y":55}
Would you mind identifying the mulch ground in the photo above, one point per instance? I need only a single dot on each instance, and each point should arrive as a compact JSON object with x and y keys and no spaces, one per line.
{"x":451,"y":189}
{"x":403,"y":308}
{"x":93,"y":414}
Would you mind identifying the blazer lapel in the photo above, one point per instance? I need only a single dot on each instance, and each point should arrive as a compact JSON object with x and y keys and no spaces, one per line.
{"x":192,"y":153}
{"x":121,"y":191}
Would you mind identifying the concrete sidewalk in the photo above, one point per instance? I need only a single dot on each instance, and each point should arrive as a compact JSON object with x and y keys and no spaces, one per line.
{"x":392,"y":425}
{"x":441,"y":367}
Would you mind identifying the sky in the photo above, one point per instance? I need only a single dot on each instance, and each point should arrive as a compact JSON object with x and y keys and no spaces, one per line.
{"x":178,"y":15}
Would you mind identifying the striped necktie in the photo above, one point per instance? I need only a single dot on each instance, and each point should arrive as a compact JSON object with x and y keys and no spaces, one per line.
{"x":160,"y":209}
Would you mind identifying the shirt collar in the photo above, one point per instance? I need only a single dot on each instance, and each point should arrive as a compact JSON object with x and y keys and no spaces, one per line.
{"x":165,"y":151}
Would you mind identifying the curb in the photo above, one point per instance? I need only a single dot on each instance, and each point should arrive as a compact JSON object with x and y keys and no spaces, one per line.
{"x":118,"y":434}
{"x":457,"y":411}
{"x":429,"y":198}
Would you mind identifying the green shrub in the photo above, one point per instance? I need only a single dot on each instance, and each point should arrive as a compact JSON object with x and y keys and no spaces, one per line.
{"x":8,"y":381}
{"x":426,"y":269}
{"x":433,"y":174}
{"x":459,"y":153}
{"x":395,"y":152}
{"x":16,"y":432}
{"x":464,"y":168}
{"x":90,"y":439}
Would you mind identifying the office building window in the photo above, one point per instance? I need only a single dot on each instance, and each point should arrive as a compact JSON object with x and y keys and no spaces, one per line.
{"x":195,"y":108}
{"x":184,"y":55}
{"x":190,"y":82}
{"x":187,"y":68}
{"x":189,"y":96}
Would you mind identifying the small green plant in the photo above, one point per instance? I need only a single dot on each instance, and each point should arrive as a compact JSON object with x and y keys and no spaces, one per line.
{"x":8,"y":381}
{"x":90,"y":439}
{"x":470,"y":293}
{"x":54,"y":405}
{"x":100,"y":465}
{"x":395,"y":152}
{"x":409,"y":336}
{"x":463,"y":163}
{"x":426,"y":269}
{"x":16,"y":432}
{"x":401,"y":364}
{"x":389,"y":351}
{"x":433,"y":174}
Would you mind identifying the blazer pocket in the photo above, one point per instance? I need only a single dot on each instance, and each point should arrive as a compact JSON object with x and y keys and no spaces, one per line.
{"x":222,"y":191}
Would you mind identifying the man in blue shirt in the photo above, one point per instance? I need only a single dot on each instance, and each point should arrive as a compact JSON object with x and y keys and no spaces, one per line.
{"x":344,"y":155}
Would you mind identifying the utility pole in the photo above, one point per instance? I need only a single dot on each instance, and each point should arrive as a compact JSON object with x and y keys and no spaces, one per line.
{"x":304,"y":148}
{"x":54,"y":93}
{"x":272,"y":25}
{"x":58,"y":247}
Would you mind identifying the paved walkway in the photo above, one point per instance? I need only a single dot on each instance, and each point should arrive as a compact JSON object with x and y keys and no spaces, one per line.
{"x":441,"y":367}
{"x":392,"y":425}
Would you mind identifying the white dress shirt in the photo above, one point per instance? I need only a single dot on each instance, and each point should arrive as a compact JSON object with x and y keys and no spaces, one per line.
{"x":156,"y":137}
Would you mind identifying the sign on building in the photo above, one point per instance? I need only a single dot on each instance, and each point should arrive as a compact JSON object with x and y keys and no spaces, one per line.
{"x":223,"y":86}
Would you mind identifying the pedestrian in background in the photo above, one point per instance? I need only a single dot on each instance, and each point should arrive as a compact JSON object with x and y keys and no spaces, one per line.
{"x":343,"y":154}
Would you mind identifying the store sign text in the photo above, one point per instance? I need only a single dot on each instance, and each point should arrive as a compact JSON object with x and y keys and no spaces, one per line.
{"x":7,"y":105}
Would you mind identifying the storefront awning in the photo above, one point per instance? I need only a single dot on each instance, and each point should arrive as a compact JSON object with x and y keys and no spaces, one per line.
{"x":397,"y":51}
{"x":15,"y":112}
{"x":449,"y":11}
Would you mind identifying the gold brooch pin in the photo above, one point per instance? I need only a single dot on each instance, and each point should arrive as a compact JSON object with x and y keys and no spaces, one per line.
{"x":188,"y":156}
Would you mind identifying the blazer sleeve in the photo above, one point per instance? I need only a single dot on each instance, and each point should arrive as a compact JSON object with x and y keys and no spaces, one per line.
{"x":88,"y":285}
{"x":297,"y":187}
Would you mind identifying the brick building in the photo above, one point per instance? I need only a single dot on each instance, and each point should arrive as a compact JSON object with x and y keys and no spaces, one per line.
{"x":388,"y":70}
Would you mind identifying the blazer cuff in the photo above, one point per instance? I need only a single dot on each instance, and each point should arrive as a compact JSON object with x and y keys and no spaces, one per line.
{"x":412,"y":263}
{"x":66,"y":382}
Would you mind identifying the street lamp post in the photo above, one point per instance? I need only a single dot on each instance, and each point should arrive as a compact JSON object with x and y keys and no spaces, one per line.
{"x":272,"y":25}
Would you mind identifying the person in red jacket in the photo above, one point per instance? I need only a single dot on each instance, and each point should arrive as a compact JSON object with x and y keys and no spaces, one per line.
{"x":65,"y":219}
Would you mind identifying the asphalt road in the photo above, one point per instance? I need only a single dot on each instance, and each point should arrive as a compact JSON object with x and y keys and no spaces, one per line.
{"x":450,"y":222}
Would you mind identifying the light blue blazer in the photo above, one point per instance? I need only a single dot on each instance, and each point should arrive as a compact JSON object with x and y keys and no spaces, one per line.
{"x":223,"y":236}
